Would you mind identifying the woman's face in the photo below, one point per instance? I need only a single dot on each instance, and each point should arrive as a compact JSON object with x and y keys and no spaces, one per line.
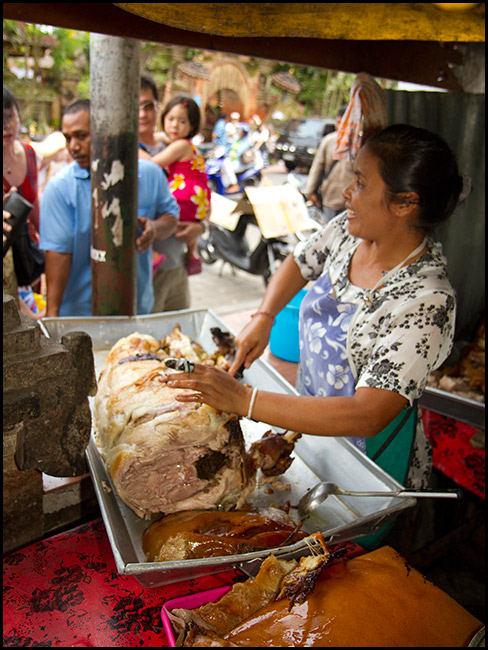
{"x":368,"y":214}
{"x":11,"y":125}
{"x":176,"y":123}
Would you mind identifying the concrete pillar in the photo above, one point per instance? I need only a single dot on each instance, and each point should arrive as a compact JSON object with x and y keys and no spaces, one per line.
{"x":114,"y":89}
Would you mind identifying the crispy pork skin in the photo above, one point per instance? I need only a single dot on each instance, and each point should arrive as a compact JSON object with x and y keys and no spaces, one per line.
{"x":164,"y":456}
{"x":375,"y":600}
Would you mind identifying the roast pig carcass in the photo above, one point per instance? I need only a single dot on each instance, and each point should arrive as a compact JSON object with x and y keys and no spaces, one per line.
{"x":165,"y":456}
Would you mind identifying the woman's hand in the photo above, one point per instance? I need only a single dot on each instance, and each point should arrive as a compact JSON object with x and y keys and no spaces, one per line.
{"x":148,"y":234}
{"x":212,"y":386}
{"x":189,"y":231}
{"x":251,"y":341}
{"x":313,"y":197}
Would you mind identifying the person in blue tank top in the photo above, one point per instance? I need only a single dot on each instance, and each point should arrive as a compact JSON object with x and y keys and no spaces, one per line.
{"x":378,"y":318}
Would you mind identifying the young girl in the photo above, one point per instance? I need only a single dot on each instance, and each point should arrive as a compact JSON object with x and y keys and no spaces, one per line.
{"x":186,"y":169}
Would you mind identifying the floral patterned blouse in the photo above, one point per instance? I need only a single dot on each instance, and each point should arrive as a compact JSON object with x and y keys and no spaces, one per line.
{"x":188,"y":183}
{"x":405,"y":328}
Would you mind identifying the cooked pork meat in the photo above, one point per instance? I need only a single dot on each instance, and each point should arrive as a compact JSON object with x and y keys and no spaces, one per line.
{"x":162,"y":455}
{"x":165,"y":456}
{"x":375,"y":600}
{"x":466,"y":377}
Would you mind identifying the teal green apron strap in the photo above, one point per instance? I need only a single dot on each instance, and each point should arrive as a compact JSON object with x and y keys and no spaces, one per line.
{"x":394,"y":433}
{"x":392,"y":450}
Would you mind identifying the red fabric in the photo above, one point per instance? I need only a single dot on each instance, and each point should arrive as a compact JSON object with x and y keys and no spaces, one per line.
{"x":65,"y":591}
{"x":28,"y":190}
{"x":453,"y":454}
{"x":188,"y":184}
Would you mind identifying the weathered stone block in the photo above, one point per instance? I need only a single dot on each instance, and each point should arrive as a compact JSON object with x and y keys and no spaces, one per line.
{"x":24,"y":370}
{"x":11,"y":314}
{"x":22,"y":508}
{"x":47,"y":418}
{"x":19,"y":405}
{"x":24,"y":339}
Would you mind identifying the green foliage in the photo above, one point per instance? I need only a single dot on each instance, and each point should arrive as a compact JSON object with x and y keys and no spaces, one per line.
{"x":323,"y":92}
{"x":71,"y":56}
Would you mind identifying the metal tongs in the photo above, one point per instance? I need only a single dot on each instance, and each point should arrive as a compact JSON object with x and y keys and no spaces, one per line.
{"x":318,"y":493}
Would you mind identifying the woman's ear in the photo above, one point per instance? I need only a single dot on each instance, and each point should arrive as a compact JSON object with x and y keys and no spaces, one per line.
{"x":406,"y":203}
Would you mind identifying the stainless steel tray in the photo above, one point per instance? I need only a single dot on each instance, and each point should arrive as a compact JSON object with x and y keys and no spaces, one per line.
{"x":316,"y":459}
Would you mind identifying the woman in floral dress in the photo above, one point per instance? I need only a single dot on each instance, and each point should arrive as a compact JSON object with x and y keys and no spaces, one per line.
{"x":378,"y":319}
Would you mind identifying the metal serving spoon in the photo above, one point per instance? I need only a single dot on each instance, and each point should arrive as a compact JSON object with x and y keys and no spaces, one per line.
{"x":316,"y":495}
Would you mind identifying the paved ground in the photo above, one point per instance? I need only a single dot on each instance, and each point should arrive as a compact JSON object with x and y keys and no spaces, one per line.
{"x":225,"y":290}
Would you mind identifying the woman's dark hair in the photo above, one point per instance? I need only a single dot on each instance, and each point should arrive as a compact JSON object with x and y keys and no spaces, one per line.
{"x":147,"y":82}
{"x":416,"y":160}
{"x":9,"y":101}
{"x":191,"y":108}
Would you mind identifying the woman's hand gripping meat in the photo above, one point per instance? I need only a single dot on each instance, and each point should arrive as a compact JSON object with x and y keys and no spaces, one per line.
{"x":212,"y":386}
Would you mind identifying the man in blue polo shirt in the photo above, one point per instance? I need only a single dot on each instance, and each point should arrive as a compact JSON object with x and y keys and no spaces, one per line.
{"x":65,"y":223}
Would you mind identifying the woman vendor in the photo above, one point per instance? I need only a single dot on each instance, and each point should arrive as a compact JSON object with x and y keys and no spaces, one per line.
{"x":378,"y":318}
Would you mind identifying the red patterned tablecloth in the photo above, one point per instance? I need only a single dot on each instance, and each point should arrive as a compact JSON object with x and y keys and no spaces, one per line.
{"x":453,"y":454}
{"x":65,"y":591}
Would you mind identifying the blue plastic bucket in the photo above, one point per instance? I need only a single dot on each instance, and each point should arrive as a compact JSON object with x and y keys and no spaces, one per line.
{"x":284,"y":339}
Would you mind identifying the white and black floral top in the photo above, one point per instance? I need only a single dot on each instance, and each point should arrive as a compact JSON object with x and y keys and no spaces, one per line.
{"x":406,"y":330}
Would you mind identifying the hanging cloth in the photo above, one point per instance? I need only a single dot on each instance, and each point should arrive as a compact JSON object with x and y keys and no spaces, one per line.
{"x":366,"y":110}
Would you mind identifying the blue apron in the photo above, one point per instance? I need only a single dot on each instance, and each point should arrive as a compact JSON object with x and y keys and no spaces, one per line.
{"x":324,"y":367}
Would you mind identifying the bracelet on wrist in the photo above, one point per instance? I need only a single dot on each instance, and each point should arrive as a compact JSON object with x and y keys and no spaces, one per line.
{"x":263,"y":313}
{"x":251,"y":403}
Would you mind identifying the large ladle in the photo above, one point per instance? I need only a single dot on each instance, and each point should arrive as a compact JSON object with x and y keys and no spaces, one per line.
{"x":317,"y":495}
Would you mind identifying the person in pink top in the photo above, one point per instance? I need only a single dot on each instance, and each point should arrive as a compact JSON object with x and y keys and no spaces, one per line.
{"x":185,"y":167}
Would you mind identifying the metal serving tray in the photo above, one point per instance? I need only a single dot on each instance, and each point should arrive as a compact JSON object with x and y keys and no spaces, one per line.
{"x":316,"y":459}
{"x":453,"y":406}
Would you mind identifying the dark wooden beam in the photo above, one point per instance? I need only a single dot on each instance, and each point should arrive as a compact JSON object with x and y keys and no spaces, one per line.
{"x":422,"y":62}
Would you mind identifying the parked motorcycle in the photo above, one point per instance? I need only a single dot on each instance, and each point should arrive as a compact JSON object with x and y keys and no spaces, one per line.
{"x":299,"y":181}
{"x":233,"y":246}
{"x":215,"y":168}
{"x":263,"y":256}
